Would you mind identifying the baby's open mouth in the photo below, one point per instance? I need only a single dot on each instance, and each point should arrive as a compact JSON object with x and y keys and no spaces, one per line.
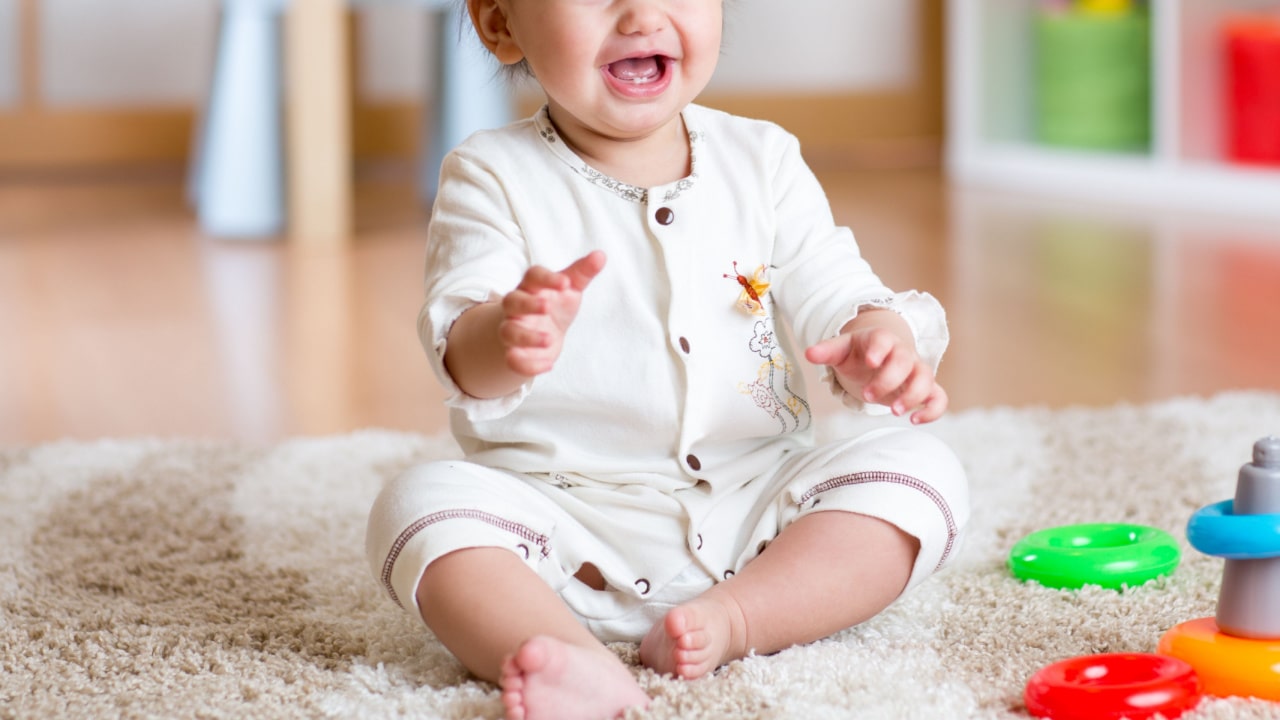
{"x":639,"y":70}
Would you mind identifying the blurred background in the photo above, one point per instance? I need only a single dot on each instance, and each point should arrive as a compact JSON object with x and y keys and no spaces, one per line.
{"x":212,"y":212}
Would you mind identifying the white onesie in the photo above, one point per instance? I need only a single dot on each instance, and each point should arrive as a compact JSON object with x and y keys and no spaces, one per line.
{"x":673,"y":439}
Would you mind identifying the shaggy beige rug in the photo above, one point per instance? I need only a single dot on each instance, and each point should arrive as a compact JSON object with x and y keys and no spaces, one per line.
{"x":171,"y":579}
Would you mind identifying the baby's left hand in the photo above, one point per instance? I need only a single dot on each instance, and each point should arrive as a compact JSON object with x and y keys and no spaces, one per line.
{"x":875,"y":359}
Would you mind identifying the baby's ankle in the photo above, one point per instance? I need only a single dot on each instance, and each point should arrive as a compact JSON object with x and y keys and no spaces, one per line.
{"x":738,"y":643}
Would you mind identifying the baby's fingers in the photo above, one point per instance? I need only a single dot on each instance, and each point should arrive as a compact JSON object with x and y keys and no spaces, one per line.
{"x":538,"y":278}
{"x":584,"y":269}
{"x":517,"y":334}
{"x":891,"y":381}
{"x":577,"y":276}
{"x":913,"y":392}
{"x":932,"y":408}
{"x":529,"y":361}
{"x":520,"y":302}
{"x":831,"y":351}
{"x":878,"y":348}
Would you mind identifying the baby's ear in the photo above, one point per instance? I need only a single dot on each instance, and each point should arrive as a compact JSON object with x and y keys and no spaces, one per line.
{"x":490,"y":20}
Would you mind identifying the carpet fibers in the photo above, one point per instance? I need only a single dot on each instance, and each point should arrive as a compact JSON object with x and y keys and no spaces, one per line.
{"x":176,"y":579}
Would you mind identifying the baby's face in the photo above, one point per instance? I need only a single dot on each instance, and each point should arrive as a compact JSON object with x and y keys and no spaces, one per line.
{"x":620,"y":69}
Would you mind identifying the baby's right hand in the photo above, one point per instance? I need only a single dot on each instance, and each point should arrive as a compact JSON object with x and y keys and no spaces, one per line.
{"x":538,"y":313}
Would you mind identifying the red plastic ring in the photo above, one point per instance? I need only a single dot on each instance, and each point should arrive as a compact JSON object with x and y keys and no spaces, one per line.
{"x":1112,"y":686}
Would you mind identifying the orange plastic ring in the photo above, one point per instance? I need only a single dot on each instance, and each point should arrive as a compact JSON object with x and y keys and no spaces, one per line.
{"x":1227,"y":665}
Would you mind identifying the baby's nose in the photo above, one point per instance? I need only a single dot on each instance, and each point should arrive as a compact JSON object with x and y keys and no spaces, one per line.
{"x":641,"y":17}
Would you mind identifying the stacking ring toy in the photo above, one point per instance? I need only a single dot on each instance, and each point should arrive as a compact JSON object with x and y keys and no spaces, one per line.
{"x":1112,"y":555}
{"x":1109,"y":687}
{"x":1213,"y":530}
{"x":1227,"y":665}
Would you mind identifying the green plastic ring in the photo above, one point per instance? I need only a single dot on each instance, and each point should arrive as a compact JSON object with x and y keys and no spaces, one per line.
{"x":1112,"y":555}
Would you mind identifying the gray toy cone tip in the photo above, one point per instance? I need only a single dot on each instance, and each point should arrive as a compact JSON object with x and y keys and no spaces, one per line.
{"x":1249,"y":602}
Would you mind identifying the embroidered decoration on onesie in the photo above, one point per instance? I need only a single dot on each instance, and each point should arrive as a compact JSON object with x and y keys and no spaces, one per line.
{"x":754,"y":289}
{"x":771,"y":389}
{"x":547,"y":131}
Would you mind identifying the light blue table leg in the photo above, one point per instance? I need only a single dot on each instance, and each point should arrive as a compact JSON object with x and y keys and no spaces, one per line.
{"x":239,"y":174}
{"x":470,"y":93}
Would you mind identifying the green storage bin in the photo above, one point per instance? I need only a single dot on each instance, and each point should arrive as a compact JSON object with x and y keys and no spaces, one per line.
{"x":1093,"y":79}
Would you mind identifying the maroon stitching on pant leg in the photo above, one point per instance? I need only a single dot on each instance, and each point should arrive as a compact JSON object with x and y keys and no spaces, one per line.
{"x":424,"y":522}
{"x":929,"y":491}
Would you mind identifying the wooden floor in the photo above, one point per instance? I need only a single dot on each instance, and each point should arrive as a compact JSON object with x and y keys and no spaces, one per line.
{"x":118,"y":319}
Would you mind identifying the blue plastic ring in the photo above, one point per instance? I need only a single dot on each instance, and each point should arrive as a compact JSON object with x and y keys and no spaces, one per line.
{"x":1214,"y":530}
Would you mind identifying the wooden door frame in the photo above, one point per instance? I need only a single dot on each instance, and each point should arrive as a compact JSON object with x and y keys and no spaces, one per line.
{"x":38,"y":137}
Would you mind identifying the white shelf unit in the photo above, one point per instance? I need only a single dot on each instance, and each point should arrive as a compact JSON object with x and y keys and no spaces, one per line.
{"x":990,"y":139}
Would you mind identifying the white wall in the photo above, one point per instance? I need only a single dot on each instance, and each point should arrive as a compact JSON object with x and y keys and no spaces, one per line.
{"x":125,"y":52}
{"x":160,"y":52}
{"x":818,"y":45}
{"x":9,"y":74}
{"x":396,"y":44}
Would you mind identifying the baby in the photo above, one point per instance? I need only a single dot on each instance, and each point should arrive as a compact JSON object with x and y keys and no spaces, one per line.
{"x":612,"y":288}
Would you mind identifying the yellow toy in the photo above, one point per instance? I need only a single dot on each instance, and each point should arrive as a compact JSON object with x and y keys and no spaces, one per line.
{"x":1104,"y":7}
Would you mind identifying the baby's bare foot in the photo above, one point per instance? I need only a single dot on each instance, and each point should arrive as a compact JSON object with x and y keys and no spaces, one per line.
{"x":548,"y":678}
{"x":692,"y":640}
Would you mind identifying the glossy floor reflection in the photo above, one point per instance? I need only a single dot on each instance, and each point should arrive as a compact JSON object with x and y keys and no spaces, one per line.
{"x":117,"y":319}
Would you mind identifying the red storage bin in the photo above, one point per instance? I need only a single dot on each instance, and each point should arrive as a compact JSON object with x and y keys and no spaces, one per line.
{"x":1253,"y":89}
